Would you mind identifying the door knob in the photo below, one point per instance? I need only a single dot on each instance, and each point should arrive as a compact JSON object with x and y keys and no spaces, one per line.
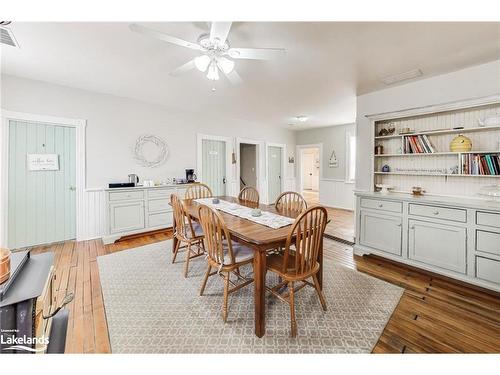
{"x":72,"y":188}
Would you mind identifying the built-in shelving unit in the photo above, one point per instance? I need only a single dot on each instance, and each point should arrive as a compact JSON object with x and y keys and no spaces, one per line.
{"x":431,"y":170}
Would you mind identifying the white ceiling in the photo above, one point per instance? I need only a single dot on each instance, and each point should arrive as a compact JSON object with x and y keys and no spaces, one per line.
{"x":327,"y":63}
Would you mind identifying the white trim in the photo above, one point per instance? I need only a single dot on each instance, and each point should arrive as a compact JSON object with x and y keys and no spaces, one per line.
{"x":283,"y":168}
{"x":443,"y":107}
{"x":298,"y":155}
{"x":348,"y":134}
{"x":80,"y":165}
{"x":258,"y":160}
{"x":229,"y":166}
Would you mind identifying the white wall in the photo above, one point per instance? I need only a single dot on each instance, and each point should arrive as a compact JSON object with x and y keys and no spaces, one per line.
{"x":113,"y":125}
{"x":477,"y":81}
{"x":333,"y":190}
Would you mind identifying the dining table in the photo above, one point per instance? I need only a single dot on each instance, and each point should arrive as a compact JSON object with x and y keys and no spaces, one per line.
{"x":261,"y":239}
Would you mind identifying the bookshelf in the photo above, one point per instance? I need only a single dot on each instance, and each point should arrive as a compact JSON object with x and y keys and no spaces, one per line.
{"x":441,"y":171}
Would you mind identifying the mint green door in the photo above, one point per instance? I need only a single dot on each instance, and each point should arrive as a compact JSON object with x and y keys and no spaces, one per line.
{"x":214,"y":165}
{"x":42,"y":205}
{"x":274,"y":172}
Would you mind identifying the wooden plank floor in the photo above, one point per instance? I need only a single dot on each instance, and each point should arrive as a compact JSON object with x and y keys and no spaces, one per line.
{"x":434,"y":315}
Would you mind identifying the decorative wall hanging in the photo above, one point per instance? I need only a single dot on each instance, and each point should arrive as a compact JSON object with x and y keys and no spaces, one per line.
{"x":291,"y":159}
{"x":333,"y":162}
{"x":43,"y":162}
{"x":150,"y":151}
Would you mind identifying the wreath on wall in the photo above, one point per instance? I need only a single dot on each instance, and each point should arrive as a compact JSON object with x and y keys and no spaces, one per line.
{"x":150,"y":151}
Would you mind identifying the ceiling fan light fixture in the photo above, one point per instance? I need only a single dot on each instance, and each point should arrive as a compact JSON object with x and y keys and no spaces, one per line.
{"x":225,"y":65}
{"x":202,"y":62}
{"x":213,"y":71}
{"x":301,"y":118}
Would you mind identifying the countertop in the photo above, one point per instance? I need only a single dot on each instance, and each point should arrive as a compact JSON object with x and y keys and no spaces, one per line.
{"x":434,"y":199}
{"x":148,"y":187}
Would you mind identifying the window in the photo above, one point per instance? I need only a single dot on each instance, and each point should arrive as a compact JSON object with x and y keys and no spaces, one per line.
{"x":350,"y":170}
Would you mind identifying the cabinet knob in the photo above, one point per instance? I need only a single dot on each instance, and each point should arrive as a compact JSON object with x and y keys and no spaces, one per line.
{"x":399,"y":225}
{"x":381,"y":205}
{"x":436,"y":212}
{"x":412,"y":227}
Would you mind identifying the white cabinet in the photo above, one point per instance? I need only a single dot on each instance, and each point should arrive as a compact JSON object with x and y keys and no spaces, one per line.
{"x":381,"y":232}
{"x":126,"y":216}
{"x":437,"y":244}
{"x":137,"y":210}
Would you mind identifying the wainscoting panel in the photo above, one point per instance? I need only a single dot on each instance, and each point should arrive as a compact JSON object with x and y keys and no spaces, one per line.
{"x":93,"y":215}
{"x":336,"y":193}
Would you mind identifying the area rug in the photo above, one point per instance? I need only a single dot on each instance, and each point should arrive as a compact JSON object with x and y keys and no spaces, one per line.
{"x":151,"y":308}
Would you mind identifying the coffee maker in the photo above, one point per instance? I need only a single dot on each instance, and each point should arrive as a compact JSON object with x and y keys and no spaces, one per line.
{"x":190,"y":175}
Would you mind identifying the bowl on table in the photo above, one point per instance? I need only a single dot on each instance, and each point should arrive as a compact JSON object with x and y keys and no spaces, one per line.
{"x":256,"y":212}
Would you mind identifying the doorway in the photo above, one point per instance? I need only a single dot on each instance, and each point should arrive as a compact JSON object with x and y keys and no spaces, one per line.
{"x":275,"y":172}
{"x":41,"y":183}
{"x":213,"y":161}
{"x":248,"y":161}
{"x":309,"y":172}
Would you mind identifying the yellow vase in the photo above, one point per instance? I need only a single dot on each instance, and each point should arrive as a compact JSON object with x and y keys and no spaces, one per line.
{"x":460,"y":144}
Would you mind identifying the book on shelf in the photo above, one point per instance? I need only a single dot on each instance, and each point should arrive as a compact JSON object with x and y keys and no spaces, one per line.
{"x":481,"y":164}
{"x":417,"y":144}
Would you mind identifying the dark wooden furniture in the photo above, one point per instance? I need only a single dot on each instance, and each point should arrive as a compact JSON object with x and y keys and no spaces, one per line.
{"x":299,"y":261}
{"x":249,"y":194}
{"x":261,"y":239}
{"x":223,"y":255}
{"x":185,"y":231}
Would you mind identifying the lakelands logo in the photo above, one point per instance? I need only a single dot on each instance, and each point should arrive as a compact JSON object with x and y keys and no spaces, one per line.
{"x":24,"y":343}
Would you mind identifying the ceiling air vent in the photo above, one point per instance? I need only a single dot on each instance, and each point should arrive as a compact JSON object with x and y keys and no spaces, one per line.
{"x":6,"y":35}
{"x":389,"y":80}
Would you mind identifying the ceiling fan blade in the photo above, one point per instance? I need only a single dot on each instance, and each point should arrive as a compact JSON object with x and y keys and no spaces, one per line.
{"x":220,"y":31}
{"x":234,"y":77}
{"x":256,"y":53}
{"x":165,"y":37}
{"x":183,"y":68}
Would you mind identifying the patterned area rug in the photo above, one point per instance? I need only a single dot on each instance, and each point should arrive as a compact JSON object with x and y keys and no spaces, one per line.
{"x":152,"y":308}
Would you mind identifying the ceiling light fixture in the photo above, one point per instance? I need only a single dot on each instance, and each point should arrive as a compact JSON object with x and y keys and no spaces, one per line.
{"x":301,"y":118}
{"x":225,"y":65}
{"x":202,"y":62}
{"x":389,"y":80}
{"x":213,"y":71}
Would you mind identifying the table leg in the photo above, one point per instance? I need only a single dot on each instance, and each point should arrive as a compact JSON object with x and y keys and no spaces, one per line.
{"x":320,"y":261}
{"x":259,"y":271}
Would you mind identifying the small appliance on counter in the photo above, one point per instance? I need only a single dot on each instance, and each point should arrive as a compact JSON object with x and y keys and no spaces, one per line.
{"x":190,"y":176}
{"x":133,"y":178}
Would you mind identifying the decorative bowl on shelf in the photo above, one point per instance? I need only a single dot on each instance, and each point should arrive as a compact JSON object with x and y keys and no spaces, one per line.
{"x":490,"y":192}
{"x":384,"y":188}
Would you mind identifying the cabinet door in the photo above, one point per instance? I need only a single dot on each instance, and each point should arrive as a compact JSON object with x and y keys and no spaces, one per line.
{"x":381,"y":232}
{"x":126,"y":216}
{"x":438,"y":245}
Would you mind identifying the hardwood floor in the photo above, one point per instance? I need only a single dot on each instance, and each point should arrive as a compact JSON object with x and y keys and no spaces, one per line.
{"x":341,"y":221}
{"x":434,"y":315}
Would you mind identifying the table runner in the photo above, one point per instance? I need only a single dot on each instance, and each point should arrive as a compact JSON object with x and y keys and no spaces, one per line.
{"x":268,"y":219}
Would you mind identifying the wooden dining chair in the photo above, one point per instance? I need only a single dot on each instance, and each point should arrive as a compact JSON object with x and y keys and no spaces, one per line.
{"x":290,"y":201}
{"x":249,"y":194}
{"x":186,"y":232}
{"x":299,"y":260}
{"x":224,"y":255}
{"x":197,"y":191}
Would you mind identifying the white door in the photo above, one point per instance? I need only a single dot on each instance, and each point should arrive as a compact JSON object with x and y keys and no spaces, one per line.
{"x":214,"y":165}
{"x":274,"y":170}
{"x":42,"y":184}
{"x":307,"y":171}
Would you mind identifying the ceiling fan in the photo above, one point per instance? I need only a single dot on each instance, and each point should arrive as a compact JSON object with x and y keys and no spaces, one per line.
{"x":216,"y":54}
